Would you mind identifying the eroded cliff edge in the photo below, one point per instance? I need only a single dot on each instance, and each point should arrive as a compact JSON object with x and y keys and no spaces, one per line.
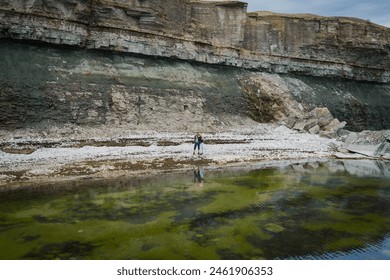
{"x":185,"y":65}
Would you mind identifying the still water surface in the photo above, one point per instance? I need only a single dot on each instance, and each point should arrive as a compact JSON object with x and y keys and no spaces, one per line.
{"x":317,"y":210}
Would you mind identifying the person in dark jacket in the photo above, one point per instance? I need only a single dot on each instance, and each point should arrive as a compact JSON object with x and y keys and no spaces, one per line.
{"x":198,"y":140}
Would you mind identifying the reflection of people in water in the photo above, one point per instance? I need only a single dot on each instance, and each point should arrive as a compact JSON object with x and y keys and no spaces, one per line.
{"x":198,"y":175}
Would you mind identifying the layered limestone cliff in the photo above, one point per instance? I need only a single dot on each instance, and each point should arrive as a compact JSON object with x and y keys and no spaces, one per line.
{"x":185,"y":65}
{"x":43,"y":86}
{"x":216,"y":32}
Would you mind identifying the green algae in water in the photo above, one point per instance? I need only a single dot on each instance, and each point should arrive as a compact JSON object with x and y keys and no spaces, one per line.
{"x":286,"y":212}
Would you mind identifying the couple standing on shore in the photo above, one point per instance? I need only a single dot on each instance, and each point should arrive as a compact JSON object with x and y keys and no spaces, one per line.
{"x":198,"y":143}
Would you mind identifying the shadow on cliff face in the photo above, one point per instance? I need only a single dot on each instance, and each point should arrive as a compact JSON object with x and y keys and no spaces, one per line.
{"x":362,"y":105}
{"x":273,"y":97}
{"x":58,"y":86}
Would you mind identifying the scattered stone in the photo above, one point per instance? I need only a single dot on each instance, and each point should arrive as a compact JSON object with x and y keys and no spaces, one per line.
{"x":352,"y":137}
{"x":315,"y":129}
{"x":324,"y":116}
{"x":317,"y":121}
{"x":368,"y":143}
{"x":328,"y":134}
{"x":310,"y":124}
{"x":343,"y":133}
{"x":290,"y":122}
{"x":335,"y":125}
{"x":367,"y":150}
{"x":300,"y":125}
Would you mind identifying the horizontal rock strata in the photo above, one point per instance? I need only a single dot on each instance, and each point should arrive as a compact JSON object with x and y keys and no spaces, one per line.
{"x":135,"y":64}
{"x":215,"y":32}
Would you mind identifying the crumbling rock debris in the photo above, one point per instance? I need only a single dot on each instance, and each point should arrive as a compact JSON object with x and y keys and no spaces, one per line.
{"x":373,"y":144}
{"x":318,"y":121}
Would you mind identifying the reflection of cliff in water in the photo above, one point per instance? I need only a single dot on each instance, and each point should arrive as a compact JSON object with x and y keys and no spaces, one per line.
{"x":311,"y":210}
{"x":368,"y":168}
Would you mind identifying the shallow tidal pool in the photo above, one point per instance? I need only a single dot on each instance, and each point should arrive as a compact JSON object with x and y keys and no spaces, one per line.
{"x":309,"y":210}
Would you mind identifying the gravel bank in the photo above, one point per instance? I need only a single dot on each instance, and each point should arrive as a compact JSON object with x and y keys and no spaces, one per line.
{"x":61,"y":155}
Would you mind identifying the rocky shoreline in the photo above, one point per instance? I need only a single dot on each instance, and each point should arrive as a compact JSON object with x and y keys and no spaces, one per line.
{"x":27,"y":157}
{"x":30,"y":157}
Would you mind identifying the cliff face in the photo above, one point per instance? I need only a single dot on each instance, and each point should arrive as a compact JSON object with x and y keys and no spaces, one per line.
{"x":214,"y":32}
{"x":50,"y":86}
{"x":135,"y":64}
{"x":350,"y":41}
{"x":43,"y":86}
